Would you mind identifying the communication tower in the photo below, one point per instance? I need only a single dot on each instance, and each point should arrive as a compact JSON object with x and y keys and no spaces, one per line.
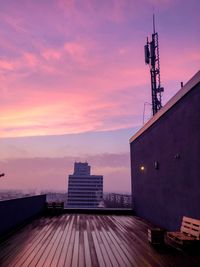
{"x":151,"y":50}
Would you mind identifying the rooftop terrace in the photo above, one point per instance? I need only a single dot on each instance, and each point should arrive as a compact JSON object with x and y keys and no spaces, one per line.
{"x":88,"y":240}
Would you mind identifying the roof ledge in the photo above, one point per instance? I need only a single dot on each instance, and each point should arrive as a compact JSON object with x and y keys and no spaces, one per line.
{"x":183,"y":91}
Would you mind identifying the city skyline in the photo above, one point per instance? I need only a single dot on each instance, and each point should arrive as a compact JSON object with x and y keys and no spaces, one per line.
{"x":74,"y":83}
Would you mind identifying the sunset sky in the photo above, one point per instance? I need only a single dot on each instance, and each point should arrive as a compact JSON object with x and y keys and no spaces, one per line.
{"x":73,"y":83}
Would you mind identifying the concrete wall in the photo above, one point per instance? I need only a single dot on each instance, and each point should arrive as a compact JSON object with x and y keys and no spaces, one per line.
{"x":166,"y":194}
{"x":15,"y":211}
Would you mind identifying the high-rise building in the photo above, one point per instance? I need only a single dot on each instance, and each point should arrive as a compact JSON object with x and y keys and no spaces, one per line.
{"x":84,"y":190}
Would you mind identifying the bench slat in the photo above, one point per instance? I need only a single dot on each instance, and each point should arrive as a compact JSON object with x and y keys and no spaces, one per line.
{"x":191,"y":227}
{"x":189,"y":233}
{"x":191,"y":220}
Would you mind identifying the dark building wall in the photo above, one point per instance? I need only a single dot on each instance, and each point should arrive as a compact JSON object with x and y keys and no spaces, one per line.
{"x":15,"y":211}
{"x":165,"y":195}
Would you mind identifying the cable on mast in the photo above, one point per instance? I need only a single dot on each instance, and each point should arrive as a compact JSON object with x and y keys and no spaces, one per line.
{"x":152,"y":58}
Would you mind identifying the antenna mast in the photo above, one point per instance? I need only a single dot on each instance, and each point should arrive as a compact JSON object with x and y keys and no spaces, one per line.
{"x":153,"y":60}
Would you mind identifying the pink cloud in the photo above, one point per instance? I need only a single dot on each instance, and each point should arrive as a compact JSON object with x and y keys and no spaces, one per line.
{"x":87,"y":75}
{"x":26,"y":61}
{"x":75,"y":108}
{"x":177,"y":68}
{"x":74,"y":48}
{"x":7,"y":64}
{"x":40,"y":173}
{"x":77,"y":66}
{"x":30,"y":59}
{"x":15,"y":23}
{"x":194,"y":55}
{"x":72,"y":108}
{"x":92,"y":13}
{"x":49,"y":54}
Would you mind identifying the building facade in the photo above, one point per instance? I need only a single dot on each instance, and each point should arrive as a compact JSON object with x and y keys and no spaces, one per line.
{"x":84,"y":190}
{"x":165,"y":161}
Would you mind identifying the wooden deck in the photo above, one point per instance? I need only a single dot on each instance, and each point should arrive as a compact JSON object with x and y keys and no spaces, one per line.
{"x":88,"y":240}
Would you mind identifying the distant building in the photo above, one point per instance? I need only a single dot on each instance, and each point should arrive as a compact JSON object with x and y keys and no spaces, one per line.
{"x":84,"y":190}
{"x":113,"y":200}
{"x":165,"y":161}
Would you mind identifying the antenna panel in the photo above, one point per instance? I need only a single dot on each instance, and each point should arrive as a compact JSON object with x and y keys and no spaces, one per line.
{"x":147,"y":54}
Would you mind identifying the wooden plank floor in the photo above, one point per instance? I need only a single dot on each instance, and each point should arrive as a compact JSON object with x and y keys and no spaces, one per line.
{"x":88,"y":240}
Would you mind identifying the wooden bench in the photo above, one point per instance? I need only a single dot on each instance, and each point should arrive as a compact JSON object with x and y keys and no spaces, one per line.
{"x":188,"y":236}
{"x":55,"y":207}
